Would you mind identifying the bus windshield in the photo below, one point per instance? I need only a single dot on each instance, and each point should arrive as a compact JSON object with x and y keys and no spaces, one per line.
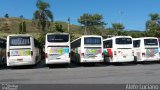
{"x":123,"y":41}
{"x":58,"y":38}
{"x":150,"y":42}
{"x":92,"y":40}
{"x":19,"y":41}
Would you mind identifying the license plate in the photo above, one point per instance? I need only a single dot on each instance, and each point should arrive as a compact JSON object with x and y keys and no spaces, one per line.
{"x":58,"y":58}
{"x":20,"y":60}
{"x":93,"y":57}
{"x":124,"y":56}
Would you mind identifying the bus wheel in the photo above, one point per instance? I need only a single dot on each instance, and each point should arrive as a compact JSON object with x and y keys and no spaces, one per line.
{"x":50,"y":66}
{"x":107,"y":60}
{"x":4,"y":63}
{"x":67,"y":65}
{"x":135,"y":60}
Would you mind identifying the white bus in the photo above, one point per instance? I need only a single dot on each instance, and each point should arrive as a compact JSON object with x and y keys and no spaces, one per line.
{"x":146,"y":49}
{"x":57,"y":48}
{"x":87,"y":49}
{"x":2,"y":52}
{"x":22,"y":49}
{"x":118,"y":49}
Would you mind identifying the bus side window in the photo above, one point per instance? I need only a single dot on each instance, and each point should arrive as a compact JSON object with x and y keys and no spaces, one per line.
{"x":107,"y":44}
{"x":136,"y":43}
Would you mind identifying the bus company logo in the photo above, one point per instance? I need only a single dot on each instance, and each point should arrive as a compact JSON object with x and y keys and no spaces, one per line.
{"x":92,"y":50}
{"x":151,"y":52}
{"x":58,"y":50}
{"x":9,"y":87}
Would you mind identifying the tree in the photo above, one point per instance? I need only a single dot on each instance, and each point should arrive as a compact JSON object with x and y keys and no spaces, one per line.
{"x":43,"y":14}
{"x":6,"y":15}
{"x":22,"y":27}
{"x":117,"y":26}
{"x":72,"y":36}
{"x":154,"y":16}
{"x":59,"y":27}
{"x":21,"y":17}
{"x":152,"y":25}
{"x":91,"y":21}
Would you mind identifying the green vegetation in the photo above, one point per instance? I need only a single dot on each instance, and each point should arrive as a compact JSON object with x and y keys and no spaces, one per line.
{"x":6,"y":15}
{"x":152,"y":25}
{"x":5,"y":27}
{"x":118,"y":26}
{"x":12,"y":27}
{"x":22,"y":27}
{"x":42,"y":15}
{"x":59,"y":27}
{"x":92,"y":23}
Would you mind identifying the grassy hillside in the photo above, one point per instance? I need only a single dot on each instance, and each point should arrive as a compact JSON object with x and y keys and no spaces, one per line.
{"x":13,"y":26}
{"x":77,"y":31}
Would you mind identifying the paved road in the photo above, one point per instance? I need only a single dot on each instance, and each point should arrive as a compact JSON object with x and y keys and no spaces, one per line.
{"x":98,"y":74}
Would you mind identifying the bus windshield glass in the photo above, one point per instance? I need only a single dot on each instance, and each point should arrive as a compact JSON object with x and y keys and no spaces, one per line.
{"x":123,"y":41}
{"x":19,"y":41}
{"x":150,"y":42}
{"x":58,"y":38}
{"x":92,"y":40}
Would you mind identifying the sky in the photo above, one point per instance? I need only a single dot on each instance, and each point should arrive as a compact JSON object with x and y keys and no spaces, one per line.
{"x":132,"y":13}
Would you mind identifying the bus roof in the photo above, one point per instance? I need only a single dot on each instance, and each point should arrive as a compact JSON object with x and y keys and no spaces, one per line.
{"x":20,"y":35}
{"x":86,"y":36}
{"x":117,"y":37}
{"x":144,"y":38}
{"x":57,"y":33}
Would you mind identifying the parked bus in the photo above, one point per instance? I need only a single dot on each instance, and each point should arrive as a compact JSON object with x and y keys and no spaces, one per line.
{"x":2,"y":52}
{"x":57,"y":48}
{"x":118,"y":49}
{"x":22,"y":49}
{"x":87,"y":49}
{"x":146,"y":49}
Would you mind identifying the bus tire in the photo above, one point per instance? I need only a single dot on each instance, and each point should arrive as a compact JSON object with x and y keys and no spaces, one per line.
{"x":67,"y":65}
{"x":107,"y":59}
{"x":4,"y":62}
{"x":78,"y":59}
{"x":135,"y":60}
{"x":51,"y":66}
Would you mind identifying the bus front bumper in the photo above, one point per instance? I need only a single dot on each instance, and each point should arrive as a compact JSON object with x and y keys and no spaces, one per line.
{"x":59,"y":61}
{"x":19,"y":63}
{"x":122,"y":60}
{"x":148,"y":59}
{"x":90,"y":60}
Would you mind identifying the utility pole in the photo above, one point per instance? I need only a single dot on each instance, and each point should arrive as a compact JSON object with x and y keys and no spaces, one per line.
{"x":69,"y":25}
{"x":22,"y":24}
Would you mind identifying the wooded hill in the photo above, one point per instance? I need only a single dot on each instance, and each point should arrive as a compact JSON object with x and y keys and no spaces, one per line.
{"x":11,"y":26}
